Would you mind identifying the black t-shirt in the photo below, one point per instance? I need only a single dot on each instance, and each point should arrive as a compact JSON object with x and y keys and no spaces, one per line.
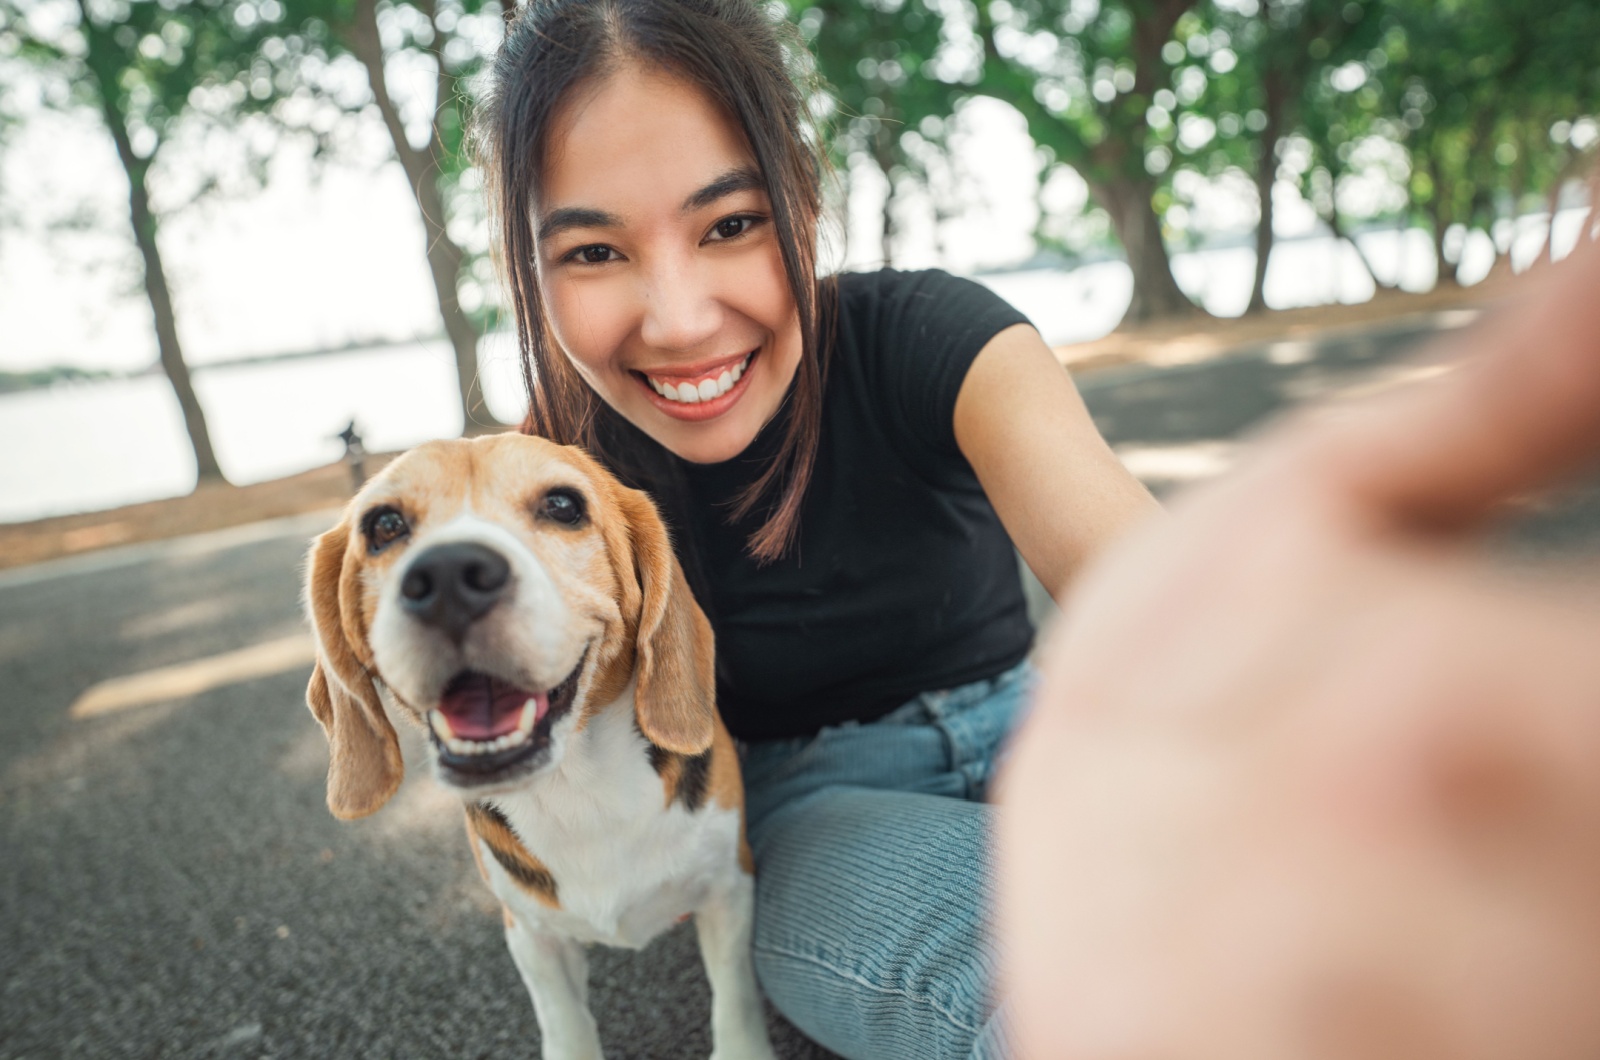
{"x":901,"y":579}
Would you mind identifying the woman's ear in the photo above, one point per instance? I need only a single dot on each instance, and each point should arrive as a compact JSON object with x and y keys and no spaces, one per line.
{"x":675,"y":686}
{"x":364,"y":767}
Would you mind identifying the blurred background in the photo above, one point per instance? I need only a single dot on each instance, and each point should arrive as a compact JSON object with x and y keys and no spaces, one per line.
{"x":230,"y":227}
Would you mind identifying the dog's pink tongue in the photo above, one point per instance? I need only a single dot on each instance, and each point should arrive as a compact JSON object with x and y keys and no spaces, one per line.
{"x":482,"y":708}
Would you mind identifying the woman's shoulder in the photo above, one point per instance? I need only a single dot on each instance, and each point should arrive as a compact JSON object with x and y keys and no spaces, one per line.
{"x":904,"y":343}
{"x":887,"y":308}
{"x":881,"y":286}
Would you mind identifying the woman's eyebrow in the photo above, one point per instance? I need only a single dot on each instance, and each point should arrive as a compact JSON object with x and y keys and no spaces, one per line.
{"x":742,"y":179}
{"x":555,"y":222}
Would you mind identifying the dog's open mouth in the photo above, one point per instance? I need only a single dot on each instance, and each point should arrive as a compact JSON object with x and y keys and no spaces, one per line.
{"x":484,"y":726}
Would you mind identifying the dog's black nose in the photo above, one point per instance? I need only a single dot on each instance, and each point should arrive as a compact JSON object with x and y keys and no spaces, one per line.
{"x":452,"y":586}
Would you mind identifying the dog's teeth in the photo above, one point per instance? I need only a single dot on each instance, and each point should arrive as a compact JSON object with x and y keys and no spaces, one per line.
{"x":526,"y":720}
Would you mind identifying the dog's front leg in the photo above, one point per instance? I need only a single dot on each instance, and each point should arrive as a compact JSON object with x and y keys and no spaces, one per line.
{"x":738,"y":1024}
{"x":556,"y":973}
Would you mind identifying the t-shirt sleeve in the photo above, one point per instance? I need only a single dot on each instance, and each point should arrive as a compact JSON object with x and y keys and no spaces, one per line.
{"x":929,"y":328}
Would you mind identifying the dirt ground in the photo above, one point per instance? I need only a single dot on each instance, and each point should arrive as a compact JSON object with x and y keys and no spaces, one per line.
{"x":219,"y":507}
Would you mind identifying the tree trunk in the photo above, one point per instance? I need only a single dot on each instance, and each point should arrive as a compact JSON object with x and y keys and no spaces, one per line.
{"x":1340,"y":235}
{"x":155,"y":282}
{"x":1266,"y":179}
{"x":445,"y":258}
{"x":1439,"y":212}
{"x":883,"y":154}
{"x":1155,"y":293}
{"x":1593,"y":220}
{"x":1446,"y":270}
{"x":1552,"y":203}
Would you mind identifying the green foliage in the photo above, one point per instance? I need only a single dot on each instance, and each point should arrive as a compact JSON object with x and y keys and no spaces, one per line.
{"x":1473,"y":89}
{"x":145,"y":65}
{"x":1463,"y":110}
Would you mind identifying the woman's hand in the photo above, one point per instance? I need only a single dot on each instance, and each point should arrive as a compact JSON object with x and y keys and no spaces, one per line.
{"x":1309,"y":774}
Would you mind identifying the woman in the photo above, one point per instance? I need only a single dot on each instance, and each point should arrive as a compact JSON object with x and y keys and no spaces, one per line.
{"x":846,"y":464}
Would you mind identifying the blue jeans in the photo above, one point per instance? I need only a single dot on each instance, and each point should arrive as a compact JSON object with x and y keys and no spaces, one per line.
{"x":872,"y":866}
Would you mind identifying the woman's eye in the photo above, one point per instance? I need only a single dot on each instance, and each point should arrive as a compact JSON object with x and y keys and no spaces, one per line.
{"x":594,"y":254}
{"x":384,"y":526}
{"x":563,"y":506}
{"x":732,"y":227}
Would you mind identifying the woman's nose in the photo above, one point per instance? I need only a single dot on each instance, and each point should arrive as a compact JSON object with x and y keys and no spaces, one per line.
{"x":681,"y":308}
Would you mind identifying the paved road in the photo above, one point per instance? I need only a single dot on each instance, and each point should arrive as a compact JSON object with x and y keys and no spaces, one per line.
{"x":171,"y":885}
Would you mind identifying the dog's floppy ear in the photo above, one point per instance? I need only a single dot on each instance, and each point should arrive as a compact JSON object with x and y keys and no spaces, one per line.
{"x":675,"y":665}
{"x":364,"y":768}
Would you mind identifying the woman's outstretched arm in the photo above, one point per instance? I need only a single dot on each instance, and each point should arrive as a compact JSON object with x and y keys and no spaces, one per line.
{"x":1059,"y":489}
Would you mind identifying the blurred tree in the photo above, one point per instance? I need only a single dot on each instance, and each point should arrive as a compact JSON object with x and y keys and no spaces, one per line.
{"x":1085,"y":74}
{"x":878,"y":63}
{"x":1287,"y":50}
{"x":1475,"y":88}
{"x":418,"y":59}
{"x":145,"y":67}
{"x":1340,"y":112}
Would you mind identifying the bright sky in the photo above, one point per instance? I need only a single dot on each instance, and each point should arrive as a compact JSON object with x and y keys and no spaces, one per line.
{"x":323,"y":256}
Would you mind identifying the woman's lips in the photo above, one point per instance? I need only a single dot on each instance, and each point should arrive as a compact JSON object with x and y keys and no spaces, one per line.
{"x":702,"y":381}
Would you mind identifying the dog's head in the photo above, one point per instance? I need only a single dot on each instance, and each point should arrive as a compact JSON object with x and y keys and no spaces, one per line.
{"x":503,"y":590}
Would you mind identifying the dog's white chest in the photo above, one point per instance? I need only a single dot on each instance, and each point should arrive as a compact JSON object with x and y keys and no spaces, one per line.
{"x":625,"y":867}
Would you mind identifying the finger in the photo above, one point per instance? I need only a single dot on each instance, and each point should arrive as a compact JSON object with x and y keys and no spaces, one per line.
{"x":1520,"y":411}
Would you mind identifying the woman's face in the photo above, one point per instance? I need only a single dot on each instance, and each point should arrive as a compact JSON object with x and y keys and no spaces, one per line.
{"x":659,"y":266}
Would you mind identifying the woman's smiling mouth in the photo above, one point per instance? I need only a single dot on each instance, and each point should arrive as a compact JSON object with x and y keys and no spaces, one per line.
{"x":702,"y":392}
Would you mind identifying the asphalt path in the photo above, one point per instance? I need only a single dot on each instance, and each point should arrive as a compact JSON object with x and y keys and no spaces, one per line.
{"x":171,"y":884}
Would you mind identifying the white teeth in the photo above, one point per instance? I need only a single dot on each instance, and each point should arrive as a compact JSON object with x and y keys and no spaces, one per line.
{"x":441,"y":728}
{"x":705,"y":390}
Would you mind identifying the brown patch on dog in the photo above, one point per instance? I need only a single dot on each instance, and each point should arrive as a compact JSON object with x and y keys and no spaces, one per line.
{"x":726,"y":789}
{"x":612,"y":672}
{"x":675,"y":675}
{"x":364,"y":765}
{"x":725,"y":786}
{"x":477,"y":852}
{"x":747,"y":860}
{"x":490,"y":825}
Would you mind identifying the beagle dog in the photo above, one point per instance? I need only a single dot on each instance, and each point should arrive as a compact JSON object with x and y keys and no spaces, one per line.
{"x":515,"y":601}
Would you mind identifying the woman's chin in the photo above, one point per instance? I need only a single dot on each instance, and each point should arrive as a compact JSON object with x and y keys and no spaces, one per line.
{"x":707,"y":442}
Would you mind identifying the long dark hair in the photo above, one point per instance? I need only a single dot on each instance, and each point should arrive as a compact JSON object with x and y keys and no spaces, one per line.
{"x":744,"y":59}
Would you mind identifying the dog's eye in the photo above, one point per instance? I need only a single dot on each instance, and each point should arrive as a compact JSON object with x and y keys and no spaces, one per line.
{"x":383,"y":527}
{"x":564,"y":506}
